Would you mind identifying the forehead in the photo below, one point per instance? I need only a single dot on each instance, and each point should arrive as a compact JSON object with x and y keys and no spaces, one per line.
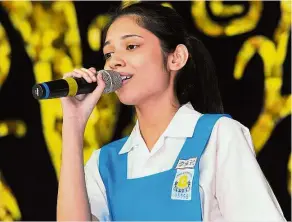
{"x":125,"y":25}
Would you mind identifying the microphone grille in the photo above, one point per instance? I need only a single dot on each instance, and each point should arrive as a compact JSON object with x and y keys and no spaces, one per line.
{"x":112,"y":79}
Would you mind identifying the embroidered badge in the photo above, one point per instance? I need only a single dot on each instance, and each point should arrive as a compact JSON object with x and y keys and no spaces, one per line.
{"x":182,"y":185}
{"x":190,"y":163}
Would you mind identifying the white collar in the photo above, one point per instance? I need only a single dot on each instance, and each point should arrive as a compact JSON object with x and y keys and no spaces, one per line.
{"x":181,"y":125}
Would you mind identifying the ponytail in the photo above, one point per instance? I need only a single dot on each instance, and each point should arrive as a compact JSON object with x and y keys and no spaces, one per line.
{"x":197,"y":82}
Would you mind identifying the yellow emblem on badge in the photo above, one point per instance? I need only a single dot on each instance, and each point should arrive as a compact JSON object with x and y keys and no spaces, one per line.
{"x":182,"y":182}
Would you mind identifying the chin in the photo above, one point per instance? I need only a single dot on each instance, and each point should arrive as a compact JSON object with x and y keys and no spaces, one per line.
{"x":127,"y":99}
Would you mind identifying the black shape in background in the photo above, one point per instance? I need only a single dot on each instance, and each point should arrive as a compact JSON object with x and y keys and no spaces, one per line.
{"x":273,"y":159}
{"x":25,"y":163}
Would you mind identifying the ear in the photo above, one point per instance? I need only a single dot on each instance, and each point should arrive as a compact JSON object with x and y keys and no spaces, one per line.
{"x":178,"y":58}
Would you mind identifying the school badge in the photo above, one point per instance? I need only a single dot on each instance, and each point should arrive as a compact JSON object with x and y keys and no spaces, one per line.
{"x":182,"y":184}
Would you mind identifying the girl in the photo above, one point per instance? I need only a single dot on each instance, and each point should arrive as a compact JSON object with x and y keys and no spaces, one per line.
{"x":184,"y":159}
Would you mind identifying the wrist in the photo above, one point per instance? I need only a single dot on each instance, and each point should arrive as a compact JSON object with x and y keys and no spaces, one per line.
{"x":75,"y":124}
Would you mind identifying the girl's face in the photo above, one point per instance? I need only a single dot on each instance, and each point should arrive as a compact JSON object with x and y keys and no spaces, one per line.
{"x":136,"y":53}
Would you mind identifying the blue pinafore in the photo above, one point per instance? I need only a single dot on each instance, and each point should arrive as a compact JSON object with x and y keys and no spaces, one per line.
{"x":170,"y":195}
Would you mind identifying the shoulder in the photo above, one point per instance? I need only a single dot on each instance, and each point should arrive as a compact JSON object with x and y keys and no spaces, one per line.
{"x":111,"y":150}
{"x":224,"y":125}
{"x":111,"y":147}
{"x":114,"y":144}
{"x":228,"y":131}
{"x":227,"y":124}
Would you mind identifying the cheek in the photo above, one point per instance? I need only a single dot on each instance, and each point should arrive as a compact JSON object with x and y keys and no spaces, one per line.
{"x":148,"y":63}
{"x":138,"y":61}
{"x":150,"y":74}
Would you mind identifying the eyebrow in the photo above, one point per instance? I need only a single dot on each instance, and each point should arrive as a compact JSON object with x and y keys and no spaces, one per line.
{"x":123,"y":37}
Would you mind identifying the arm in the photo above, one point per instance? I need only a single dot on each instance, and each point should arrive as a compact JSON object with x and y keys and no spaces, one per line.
{"x":93,"y":191}
{"x":96,"y":189}
{"x":72,"y":203}
{"x":242,"y":190}
{"x":72,"y":197}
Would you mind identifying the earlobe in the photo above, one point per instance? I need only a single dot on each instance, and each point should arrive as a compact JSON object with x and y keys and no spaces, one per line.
{"x":178,"y":58}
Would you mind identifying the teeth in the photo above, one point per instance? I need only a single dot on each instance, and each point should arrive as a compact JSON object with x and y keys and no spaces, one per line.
{"x":126,"y":77}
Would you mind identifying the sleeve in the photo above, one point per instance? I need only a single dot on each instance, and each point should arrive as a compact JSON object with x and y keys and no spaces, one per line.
{"x":242,"y":191}
{"x":96,"y":189}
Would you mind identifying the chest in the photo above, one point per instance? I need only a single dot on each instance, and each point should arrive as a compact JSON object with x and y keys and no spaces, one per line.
{"x":142,"y":163}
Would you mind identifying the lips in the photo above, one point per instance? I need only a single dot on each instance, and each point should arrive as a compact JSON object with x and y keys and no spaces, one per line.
{"x":125,"y":76}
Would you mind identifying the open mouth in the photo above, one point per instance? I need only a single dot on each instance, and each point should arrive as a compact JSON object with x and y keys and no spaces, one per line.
{"x":125,"y":78}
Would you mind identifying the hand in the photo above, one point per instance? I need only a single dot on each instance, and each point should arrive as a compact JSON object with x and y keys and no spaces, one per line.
{"x":81,"y":106}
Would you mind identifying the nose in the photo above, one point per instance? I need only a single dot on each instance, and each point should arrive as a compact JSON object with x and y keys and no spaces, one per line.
{"x":116,"y":61}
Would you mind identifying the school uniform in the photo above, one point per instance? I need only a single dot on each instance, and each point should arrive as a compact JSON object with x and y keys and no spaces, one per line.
{"x":203,"y":167}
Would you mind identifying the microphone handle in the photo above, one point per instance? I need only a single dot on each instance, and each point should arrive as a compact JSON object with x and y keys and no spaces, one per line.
{"x":70,"y":86}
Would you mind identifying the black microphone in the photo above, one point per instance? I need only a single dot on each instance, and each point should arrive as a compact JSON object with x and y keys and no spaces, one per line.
{"x":72,"y":86}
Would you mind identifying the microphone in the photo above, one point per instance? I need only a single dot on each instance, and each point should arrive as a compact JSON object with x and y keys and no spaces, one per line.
{"x":72,"y":86}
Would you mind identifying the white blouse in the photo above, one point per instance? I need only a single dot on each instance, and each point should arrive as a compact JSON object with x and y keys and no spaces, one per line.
{"x":232,"y":185}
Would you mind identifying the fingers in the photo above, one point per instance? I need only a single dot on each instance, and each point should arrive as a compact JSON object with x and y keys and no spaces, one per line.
{"x":92,"y":69}
{"x":88,"y":74}
{"x":93,"y":97}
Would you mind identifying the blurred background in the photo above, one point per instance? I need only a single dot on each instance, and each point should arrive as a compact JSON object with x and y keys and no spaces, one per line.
{"x":250,"y":43}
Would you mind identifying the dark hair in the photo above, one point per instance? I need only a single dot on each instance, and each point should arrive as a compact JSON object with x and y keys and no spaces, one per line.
{"x":196,"y":82}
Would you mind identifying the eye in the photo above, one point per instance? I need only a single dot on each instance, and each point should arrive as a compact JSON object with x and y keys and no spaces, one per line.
{"x":131,"y":47}
{"x":107,"y":55}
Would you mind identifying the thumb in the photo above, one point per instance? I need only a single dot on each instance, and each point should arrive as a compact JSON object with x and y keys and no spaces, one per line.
{"x":96,"y":94}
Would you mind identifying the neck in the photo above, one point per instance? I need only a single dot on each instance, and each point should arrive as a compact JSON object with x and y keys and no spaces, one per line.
{"x":154,"y":116}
